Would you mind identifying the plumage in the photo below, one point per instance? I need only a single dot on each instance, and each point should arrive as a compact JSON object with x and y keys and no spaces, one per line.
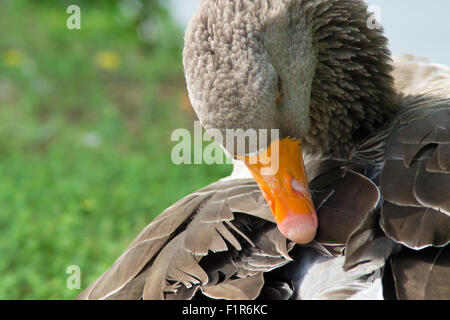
{"x":422,"y":275}
{"x":377,"y":143}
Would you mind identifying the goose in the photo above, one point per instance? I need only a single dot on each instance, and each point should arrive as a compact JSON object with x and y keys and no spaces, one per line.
{"x":360,"y":205}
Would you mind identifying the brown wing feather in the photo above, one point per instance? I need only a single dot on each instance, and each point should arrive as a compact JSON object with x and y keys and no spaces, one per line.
{"x":247,"y":288}
{"x":369,"y":245}
{"x":353,"y":198}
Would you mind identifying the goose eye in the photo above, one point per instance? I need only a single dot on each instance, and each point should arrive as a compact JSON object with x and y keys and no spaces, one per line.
{"x":279,"y":93}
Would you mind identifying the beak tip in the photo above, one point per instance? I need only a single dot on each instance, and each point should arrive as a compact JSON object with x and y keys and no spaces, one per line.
{"x":299,"y":228}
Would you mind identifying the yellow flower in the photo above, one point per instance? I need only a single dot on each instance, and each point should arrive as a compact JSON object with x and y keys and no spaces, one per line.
{"x":88,"y":204}
{"x":107,"y":60}
{"x":13,"y":58}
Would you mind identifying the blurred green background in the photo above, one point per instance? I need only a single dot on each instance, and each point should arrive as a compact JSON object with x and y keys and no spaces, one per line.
{"x":85,"y":123}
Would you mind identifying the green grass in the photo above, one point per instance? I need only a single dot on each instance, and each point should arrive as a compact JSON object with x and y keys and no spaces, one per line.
{"x":84,"y":146}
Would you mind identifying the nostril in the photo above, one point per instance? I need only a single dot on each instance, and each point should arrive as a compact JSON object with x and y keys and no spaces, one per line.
{"x":298,"y":188}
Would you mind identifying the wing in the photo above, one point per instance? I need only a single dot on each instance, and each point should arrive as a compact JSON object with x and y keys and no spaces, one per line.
{"x":219,"y":239}
{"x":415,"y":181}
{"x":415,"y":185}
{"x":412,"y":155}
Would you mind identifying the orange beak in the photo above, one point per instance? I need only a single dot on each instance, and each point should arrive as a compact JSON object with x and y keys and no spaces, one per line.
{"x":285,"y":188}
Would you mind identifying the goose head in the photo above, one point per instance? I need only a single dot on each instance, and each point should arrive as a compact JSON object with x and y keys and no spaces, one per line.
{"x":312,"y":75}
